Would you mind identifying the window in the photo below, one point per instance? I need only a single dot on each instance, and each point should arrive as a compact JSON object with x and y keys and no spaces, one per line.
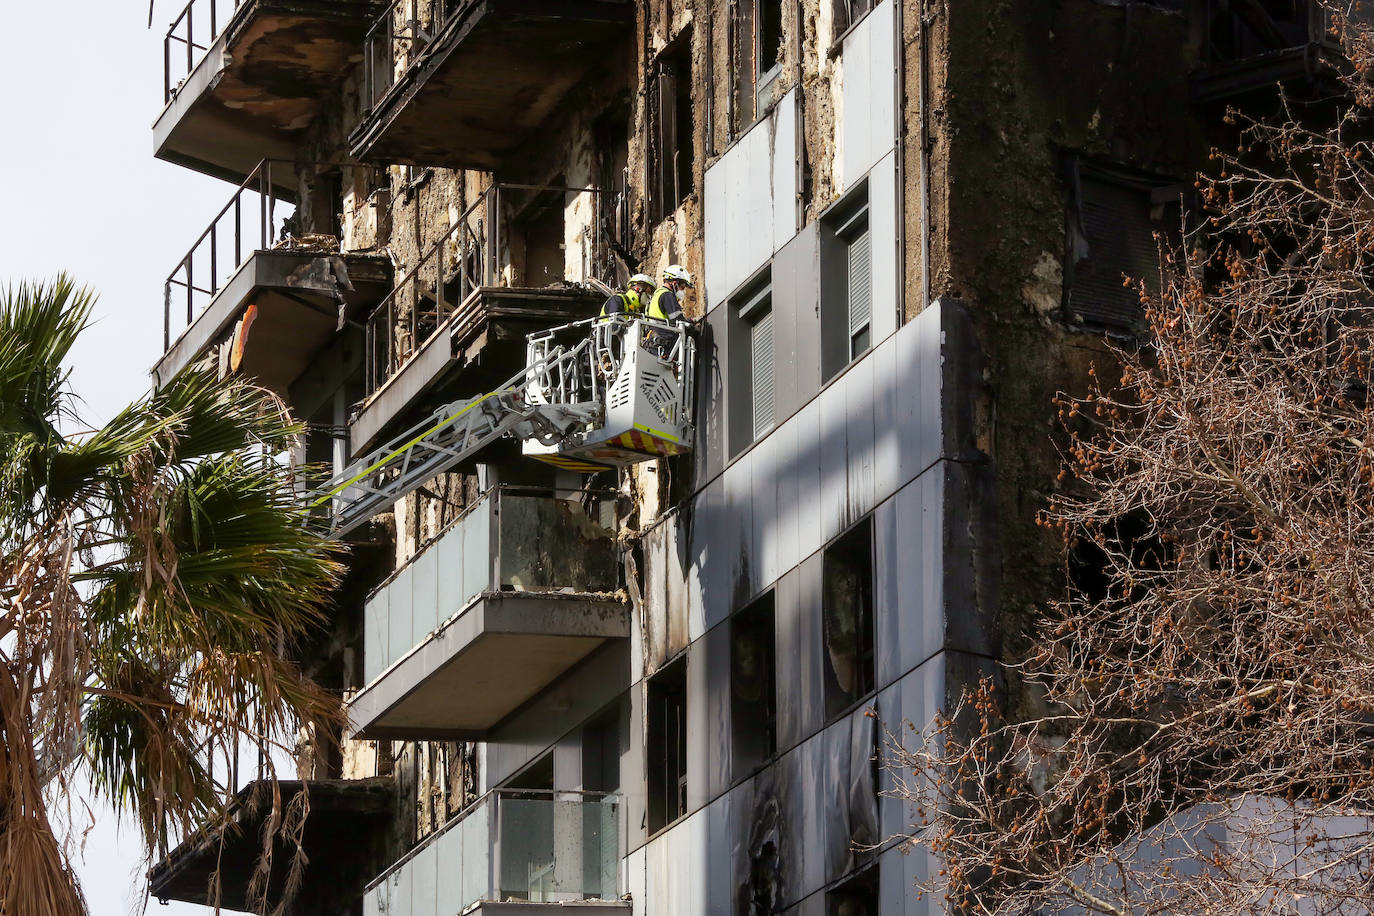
{"x":846,"y":284}
{"x":753,"y":686}
{"x":756,"y":60}
{"x":856,"y":897}
{"x":848,"y":12}
{"x":666,"y":745}
{"x":752,"y":365}
{"x":1113,"y":217}
{"x":847,"y":617}
{"x":674,"y":147}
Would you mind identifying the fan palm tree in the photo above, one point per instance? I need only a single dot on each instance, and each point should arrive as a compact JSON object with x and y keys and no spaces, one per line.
{"x":156,"y":573}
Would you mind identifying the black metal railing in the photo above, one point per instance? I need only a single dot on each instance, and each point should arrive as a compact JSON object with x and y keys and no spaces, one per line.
{"x":255,"y":218}
{"x":1239,"y":31}
{"x":471,"y":255}
{"x":403,"y":21}
{"x":189,"y":37}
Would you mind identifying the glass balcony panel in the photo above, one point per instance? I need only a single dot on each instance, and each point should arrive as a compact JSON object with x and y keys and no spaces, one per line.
{"x":516,"y":592}
{"x":537,"y":847}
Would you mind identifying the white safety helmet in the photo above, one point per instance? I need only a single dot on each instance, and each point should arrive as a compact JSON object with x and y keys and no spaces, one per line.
{"x":642,"y":278}
{"x":678,"y":272}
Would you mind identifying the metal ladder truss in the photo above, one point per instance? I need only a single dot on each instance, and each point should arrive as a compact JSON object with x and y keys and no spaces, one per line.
{"x":460,"y":429}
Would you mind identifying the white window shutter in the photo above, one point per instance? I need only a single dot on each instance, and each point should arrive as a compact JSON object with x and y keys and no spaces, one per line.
{"x":860,"y":283}
{"x":761,"y":353}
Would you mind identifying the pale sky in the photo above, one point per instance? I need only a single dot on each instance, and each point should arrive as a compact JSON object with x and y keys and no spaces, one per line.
{"x":82,"y":84}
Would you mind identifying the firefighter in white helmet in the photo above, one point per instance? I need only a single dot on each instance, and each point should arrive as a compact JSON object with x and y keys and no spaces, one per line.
{"x":631,"y":302}
{"x":665,"y":305}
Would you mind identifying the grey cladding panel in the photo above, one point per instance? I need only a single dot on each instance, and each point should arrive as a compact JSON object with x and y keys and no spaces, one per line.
{"x":708,"y":455}
{"x":796,"y":291}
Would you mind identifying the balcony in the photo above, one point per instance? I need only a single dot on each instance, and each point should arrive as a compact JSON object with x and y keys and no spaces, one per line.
{"x":455,"y":324}
{"x":347,"y":834}
{"x":517,"y":591}
{"x":480,"y":75}
{"x":1250,"y":46}
{"x":244,"y":79}
{"x":512,"y":852}
{"x":265,"y":301}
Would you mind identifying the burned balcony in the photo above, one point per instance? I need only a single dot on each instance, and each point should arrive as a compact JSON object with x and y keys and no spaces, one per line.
{"x":514,"y":263}
{"x":243,"y":79}
{"x":513,"y":851}
{"x":515,"y":592}
{"x":1251,"y":46}
{"x":260,"y":297}
{"x":347,"y":834}
{"x":479,"y":75}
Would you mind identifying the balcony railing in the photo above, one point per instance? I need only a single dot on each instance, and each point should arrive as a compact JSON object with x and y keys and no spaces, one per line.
{"x":474,"y":254}
{"x":535,"y":846}
{"x":190,"y":37}
{"x":512,"y":539}
{"x":401,"y":23}
{"x":254,"y":219}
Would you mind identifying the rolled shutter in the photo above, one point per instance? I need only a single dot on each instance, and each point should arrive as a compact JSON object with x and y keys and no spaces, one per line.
{"x":761,"y":381}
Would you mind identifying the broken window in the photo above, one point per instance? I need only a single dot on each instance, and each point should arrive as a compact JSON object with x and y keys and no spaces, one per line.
{"x":673,"y":147}
{"x":857,"y":896}
{"x":538,"y":238}
{"x":1112,"y":220}
{"x":752,"y":365}
{"x":753,"y":686}
{"x":847,"y":618}
{"x":846,"y":284}
{"x":756,"y":57}
{"x":848,"y":12}
{"x":666,"y":745}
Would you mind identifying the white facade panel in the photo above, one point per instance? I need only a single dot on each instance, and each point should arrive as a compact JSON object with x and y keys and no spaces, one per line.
{"x":400,"y":637}
{"x":858,"y":412}
{"x":882,"y":224}
{"x":886,"y":438}
{"x":834,"y":484}
{"x":868,"y":111}
{"x":424,"y":892}
{"x":751,"y":195}
{"x":634,"y":881}
{"x":919,"y":392}
{"x":807,"y":423}
{"x":783,"y":155}
{"x":788,"y":521}
{"x":766,"y":466}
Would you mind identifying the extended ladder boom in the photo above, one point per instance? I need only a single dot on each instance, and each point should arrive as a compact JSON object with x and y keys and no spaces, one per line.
{"x":454,"y":433}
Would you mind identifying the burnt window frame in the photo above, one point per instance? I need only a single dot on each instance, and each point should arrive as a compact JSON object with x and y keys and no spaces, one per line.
{"x":665,"y":694}
{"x":1164,"y":198}
{"x":757,"y":624}
{"x":672,"y":181}
{"x":747,"y":309}
{"x":844,"y":549}
{"x":863,"y":884}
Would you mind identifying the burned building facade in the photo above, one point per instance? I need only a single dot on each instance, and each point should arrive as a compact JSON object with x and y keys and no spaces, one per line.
{"x":662,"y":689}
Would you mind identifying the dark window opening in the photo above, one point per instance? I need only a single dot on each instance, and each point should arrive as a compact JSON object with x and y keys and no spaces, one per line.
{"x":856,"y":897}
{"x":1240,"y":29}
{"x":1098,"y":564}
{"x":846,"y":284}
{"x":770,"y":35}
{"x":674,"y":141}
{"x":666,"y":745}
{"x":538,"y":241}
{"x":847,"y":616}
{"x":756,"y":57}
{"x":753,"y":686}
{"x":537,"y":777}
{"x":1113,"y":218}
{"x":848,"y":12}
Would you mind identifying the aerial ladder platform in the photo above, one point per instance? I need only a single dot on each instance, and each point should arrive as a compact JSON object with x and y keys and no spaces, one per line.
{"x":594,"y":394}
